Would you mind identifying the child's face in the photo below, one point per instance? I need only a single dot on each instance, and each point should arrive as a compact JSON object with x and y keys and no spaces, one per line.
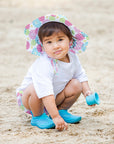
{"x":56,"y":46}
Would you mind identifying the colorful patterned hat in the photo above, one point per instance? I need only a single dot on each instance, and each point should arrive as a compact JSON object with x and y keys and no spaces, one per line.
{"x":33,"y":44}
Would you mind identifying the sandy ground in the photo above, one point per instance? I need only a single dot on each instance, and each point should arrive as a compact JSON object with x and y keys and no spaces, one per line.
{"x":96,"y":18}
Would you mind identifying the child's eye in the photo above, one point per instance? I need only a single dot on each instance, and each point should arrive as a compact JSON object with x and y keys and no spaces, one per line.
{"x":49,"y":42}
{"x":60,"y":39}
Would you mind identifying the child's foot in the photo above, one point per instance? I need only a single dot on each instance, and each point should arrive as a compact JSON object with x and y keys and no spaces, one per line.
{"x":69,"y":118}
{"x":42,"y":121}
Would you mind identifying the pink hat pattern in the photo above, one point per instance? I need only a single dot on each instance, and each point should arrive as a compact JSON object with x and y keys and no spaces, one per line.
{"x":33,"y":44}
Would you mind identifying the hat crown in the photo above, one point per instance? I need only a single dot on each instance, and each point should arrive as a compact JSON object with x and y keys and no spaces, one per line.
{"x":34,"y":45}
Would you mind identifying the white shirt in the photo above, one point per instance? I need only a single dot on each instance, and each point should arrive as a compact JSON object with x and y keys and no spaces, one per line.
{"x":46,"y":81}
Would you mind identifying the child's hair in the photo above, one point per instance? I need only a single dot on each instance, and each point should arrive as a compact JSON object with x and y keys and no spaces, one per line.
{"x":49,"y":28}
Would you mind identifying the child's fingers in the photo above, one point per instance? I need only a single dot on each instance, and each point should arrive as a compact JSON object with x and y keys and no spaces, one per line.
{"x":60,"y":123}
{"x":66,"y":126}
{"x":62,"y":127}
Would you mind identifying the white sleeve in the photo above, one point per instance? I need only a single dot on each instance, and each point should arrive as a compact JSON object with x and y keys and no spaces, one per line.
{"x":80,"y":72}
{"x":42,"y":77}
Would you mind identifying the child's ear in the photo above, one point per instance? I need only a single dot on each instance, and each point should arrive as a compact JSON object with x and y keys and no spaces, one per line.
{"x":71,"y":42}
{"x":43,"y":48}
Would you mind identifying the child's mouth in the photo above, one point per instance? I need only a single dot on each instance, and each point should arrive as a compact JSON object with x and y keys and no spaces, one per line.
{"x":58,"y":52}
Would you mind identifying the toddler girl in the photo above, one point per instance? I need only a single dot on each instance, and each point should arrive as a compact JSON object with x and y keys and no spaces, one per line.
{"x":56,"y":79}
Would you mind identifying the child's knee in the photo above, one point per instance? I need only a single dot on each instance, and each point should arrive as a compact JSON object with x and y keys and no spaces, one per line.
{"x":27,"y":94}
{"x":25,"y":99}
{"x":77,"y":87}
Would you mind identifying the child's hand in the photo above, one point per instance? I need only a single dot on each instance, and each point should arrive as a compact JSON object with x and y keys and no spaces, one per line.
{"x":60,"y":123}
{"x":87,"y":93}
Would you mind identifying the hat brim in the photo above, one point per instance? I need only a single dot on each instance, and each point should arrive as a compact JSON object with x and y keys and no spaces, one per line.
{"x":34,"y":45}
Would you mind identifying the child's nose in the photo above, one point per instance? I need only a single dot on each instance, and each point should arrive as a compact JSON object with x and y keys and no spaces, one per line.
{"x":55,"y":45}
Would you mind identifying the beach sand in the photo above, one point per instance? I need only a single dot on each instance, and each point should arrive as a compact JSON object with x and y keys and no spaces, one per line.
{"x":96,"y":18}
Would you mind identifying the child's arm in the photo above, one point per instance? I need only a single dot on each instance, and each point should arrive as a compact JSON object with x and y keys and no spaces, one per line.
{"x":86,"y":89}
{"x":49,"y":103}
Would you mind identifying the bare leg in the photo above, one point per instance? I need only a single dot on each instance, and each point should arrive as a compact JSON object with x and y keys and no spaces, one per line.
{"x":69,"y":95}
{"x":31,"y":101}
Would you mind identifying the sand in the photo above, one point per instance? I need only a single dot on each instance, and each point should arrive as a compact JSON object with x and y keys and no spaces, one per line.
{"x":96,"y":18}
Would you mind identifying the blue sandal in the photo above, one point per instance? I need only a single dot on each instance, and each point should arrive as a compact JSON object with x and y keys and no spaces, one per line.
{"x":69,"y":118}
{"x":42,"y":121}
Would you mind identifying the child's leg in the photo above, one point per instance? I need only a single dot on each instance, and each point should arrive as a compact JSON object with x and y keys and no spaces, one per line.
{"x":31,"y":101}
{"x":69,"y":95}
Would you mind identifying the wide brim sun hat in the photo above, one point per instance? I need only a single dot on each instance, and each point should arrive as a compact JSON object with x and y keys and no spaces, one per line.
{"x":34,"y":45}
